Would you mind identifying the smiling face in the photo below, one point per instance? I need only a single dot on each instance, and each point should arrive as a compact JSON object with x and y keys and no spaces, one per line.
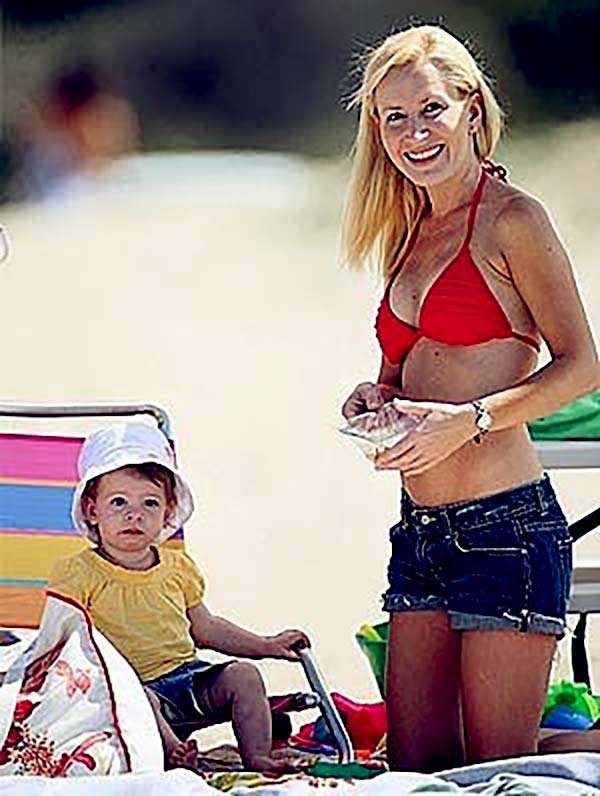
{"x":129,"y":511}
{"x":426,"y":126}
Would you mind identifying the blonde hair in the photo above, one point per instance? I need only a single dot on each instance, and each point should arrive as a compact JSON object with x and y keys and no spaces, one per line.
{"x":382,"y":205}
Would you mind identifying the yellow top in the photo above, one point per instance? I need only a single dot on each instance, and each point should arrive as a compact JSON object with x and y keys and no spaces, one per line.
{"x":142,"y":612}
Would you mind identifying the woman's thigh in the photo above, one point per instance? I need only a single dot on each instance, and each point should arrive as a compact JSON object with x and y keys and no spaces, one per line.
{"x":422,"y":692}
{"x":504,"y":680}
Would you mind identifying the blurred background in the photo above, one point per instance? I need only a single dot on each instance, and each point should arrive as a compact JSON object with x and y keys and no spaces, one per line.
{"x":270,"y":75}
{"x":172,"y":177}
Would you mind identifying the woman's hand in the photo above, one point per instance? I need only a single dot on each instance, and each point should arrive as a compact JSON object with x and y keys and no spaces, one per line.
{"x":368,"y":397}
{"x":444,"y":429}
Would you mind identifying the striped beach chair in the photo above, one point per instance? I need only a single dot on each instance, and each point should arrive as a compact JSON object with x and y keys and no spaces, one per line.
{"x":38,"y":474}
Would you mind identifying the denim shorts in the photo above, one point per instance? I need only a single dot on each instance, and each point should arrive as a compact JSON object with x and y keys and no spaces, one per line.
{"x":184,"y":692}
{"x":503,"y":561}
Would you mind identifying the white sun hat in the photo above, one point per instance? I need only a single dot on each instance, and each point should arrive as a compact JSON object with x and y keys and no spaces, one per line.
{"x":122,"y":445}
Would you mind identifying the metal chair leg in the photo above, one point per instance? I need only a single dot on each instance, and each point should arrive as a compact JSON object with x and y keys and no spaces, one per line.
{"x":329,"y":711}
{"x":579,"y":660}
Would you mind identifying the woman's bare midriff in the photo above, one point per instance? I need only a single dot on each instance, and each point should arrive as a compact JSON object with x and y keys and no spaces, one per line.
{"x":456,"y":374}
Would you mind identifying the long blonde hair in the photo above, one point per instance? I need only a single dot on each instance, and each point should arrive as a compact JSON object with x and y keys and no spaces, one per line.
{"x":382,"y":205}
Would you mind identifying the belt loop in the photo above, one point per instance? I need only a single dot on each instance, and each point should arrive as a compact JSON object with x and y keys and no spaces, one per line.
{"x":447,"y":518}
{"x":540,"y":497}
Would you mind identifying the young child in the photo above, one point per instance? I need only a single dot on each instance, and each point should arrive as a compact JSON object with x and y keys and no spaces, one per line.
{"x":148,"y":601}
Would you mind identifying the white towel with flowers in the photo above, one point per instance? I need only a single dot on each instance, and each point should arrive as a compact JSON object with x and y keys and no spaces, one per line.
{"x":71,"y":705}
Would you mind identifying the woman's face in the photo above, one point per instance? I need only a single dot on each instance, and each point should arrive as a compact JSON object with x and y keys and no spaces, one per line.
{"x":426,"y":128}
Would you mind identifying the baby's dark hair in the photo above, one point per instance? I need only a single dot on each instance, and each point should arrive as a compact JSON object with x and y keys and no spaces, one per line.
{"x":159,"y":475}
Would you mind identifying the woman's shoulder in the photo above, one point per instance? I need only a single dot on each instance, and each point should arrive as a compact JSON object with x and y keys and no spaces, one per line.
{"x":514,"y":214}
{"x":520,"y":234}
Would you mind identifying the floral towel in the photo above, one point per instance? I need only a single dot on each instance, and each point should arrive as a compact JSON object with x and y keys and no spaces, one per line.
{"x":70,"y":705}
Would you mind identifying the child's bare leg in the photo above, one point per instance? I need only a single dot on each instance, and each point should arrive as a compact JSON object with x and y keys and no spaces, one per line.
{"x":551,"y":741}
{"x":240,"y":688}
{"x":182,"y":754}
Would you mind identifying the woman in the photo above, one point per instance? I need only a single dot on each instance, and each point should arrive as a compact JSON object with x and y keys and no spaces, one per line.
{"x":475,"y":278}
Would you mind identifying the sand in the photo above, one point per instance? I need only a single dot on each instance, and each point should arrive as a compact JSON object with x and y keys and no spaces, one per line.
{"x":211,"y":285}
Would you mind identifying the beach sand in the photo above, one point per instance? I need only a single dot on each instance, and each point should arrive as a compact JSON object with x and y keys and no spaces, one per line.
{"x":212,"y":287}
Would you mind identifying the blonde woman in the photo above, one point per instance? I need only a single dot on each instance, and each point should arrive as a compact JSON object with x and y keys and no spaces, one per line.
{"x":475,"y":279}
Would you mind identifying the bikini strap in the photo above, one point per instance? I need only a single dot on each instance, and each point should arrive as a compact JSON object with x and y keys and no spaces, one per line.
{"x":488,"y":167}
{"x":474,"y":205}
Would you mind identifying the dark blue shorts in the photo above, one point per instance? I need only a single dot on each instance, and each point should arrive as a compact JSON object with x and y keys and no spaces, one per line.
{"x":502,"y":561}
{"x":184,"y":692}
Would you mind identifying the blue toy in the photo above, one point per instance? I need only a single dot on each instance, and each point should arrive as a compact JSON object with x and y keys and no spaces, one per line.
{"x":563,"y":717}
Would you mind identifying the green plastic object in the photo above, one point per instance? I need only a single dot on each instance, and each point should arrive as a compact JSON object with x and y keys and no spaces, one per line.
{"x":344,"y":770}
{"x":577,"y":696}
{"x":372,"y":639}
{"x":579,"y":419}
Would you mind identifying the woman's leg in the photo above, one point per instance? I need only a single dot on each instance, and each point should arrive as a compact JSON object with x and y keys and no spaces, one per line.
{"x":504,"y":684}
{"x":422,"y":692}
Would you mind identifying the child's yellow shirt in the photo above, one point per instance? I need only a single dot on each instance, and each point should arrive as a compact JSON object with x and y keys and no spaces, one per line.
{"x":142,"y":612}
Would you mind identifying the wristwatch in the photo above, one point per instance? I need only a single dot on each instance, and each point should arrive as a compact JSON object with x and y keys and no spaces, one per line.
{"x":483,"y":420}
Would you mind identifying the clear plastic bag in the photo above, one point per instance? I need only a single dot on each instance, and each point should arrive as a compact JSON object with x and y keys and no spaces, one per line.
{"x":373,"y":432}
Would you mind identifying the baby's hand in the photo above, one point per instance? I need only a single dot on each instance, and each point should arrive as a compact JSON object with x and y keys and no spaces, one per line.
{"x":283,"y":645}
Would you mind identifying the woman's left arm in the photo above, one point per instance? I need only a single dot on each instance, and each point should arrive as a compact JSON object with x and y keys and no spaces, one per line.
{"x":543,"y":276}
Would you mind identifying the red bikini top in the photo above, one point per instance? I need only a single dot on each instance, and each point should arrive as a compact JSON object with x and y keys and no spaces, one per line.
{"x":459,"y":308}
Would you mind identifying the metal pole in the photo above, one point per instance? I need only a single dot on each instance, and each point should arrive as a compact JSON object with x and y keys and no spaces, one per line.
{"x":328,"y":709}
{"x":88,"y":410}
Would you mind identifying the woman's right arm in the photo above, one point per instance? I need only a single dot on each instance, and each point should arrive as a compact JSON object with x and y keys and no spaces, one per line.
{"x":390,"y":375}
{"x":368,"y":397}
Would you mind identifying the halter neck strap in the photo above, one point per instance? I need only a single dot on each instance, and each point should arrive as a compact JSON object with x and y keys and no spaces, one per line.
{"x":475,"y":204}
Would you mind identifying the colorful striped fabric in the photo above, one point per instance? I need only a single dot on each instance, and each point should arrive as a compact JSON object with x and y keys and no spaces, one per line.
{"x":37,"y":478}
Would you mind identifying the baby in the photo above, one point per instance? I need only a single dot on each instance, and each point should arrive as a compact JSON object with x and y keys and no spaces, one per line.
{"x":148,"y":600}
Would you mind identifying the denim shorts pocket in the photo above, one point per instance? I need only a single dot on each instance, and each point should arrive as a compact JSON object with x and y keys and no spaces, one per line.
{"x":490,"y":538}
{"x":557,"y":528}
{"x":397,"y":530}
{"x":549,"y":545}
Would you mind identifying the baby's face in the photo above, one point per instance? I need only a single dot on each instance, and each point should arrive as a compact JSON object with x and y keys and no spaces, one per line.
{"x":129,"y":510}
